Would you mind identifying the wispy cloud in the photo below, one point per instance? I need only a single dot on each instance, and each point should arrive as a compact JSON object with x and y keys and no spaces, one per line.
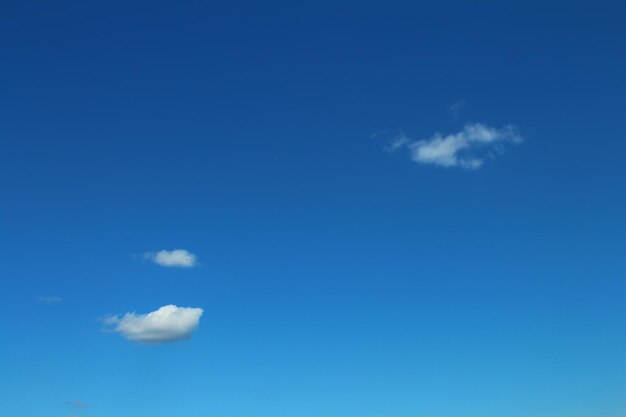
{"x":456,"y":108}
{"x":466,"y":149}
{"x":397,"y":141}
{"x":167,"y":324}
{"x":49,"y":299}
{"x":180,"y":258}
{"x":77,"y":404}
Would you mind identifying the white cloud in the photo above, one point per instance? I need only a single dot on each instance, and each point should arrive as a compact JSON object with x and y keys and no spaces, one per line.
{"x":456,"y":108}
{"x":466,"y":149}
{"x":167,"y":324}
{"x":397,"y":142}
{"x":77,"y":404}
{"x":175,"y":258}
{"x":49,"y":299}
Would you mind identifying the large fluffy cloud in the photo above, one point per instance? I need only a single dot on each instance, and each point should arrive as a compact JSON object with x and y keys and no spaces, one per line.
{"x":167,"y":324}
{"x":466,"y":149}
{"x":176,"y":258}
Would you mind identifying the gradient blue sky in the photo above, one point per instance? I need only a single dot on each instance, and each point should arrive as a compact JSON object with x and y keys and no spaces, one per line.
{"x":337,"y":279}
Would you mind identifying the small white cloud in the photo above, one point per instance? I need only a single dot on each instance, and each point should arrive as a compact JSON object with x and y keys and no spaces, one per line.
{"x":466,"y":149}
{"x":456,"y":108}
{"x":49,"y":299}
{"x":176,"y":258}
{"x":397,"y":142}
{"x":77,"y":404}
{"x":167,"y":324}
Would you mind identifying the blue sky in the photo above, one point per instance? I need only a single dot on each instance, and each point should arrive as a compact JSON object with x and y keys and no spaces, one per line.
{"x":387,"y":209}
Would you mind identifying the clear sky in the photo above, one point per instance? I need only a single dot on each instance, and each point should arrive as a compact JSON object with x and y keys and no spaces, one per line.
{"x":330,"y":209}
